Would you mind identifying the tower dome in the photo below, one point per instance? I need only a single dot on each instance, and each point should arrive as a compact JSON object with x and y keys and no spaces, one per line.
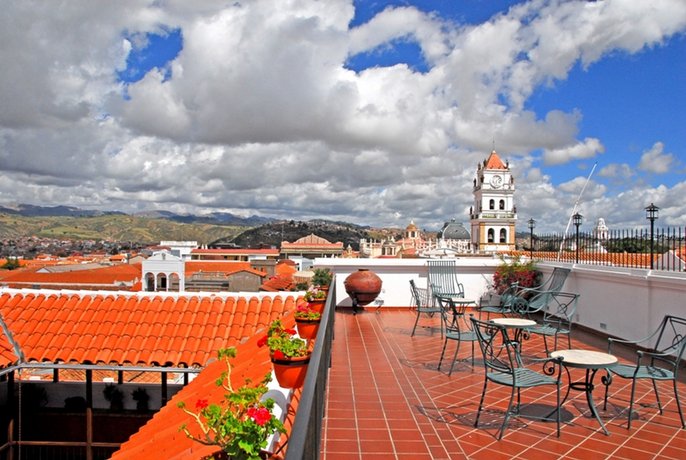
{"x":454,"y":231}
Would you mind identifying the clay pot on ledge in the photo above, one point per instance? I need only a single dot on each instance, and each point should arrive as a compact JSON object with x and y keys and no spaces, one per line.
{"x":291,"y":372}
{"x":307,"y":328}
{"x":363,"y":286}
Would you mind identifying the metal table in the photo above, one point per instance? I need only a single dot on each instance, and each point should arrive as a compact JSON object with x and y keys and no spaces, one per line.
{"x":592,"y":361}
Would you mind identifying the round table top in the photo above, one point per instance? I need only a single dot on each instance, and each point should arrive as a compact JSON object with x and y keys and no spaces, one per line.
{"x":584,"y":358}
{"x":514,"y":322}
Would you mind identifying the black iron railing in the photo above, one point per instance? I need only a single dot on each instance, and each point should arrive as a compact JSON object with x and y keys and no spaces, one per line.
{"x":621,"y":248}
{"x":305,"y":437}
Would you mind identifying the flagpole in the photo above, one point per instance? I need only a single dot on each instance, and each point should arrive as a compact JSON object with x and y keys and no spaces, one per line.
{"x":574,"y":210}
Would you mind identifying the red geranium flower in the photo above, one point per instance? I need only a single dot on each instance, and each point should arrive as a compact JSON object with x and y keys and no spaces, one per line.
{"x":263,"y":341}
{"x":200,"y":404}
{"x":290,"y":331}
{"x":278,"y":354}
{"x":260,"y":416}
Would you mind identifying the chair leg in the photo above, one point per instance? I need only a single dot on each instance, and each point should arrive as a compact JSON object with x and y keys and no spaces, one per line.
{"x":657,"y":396}
{"x":678,"y":405}
{"x":507,"y":414}
{"x":415,"y":324}
{"x":457,"y":348}
{"x":558,"y":409}
{"x":445,"y":344}
{"x":607,"y":387}
{"x":631,"y":403}
{"x":481,"y":403}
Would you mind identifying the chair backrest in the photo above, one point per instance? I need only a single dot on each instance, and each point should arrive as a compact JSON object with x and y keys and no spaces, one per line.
{"x":671,"y":337}
{"x":561,"y":306}
{"x":557,"y":279}
{"x":451,"y":314}
{"x":420,"y":296}
{"x":443,"y":278}
{"x":499,"y":352}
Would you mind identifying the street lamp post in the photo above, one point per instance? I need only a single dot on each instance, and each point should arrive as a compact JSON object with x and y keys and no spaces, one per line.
{"x":577,"y":218}
{"x":532,"y":224}
{"x":651,"y":215}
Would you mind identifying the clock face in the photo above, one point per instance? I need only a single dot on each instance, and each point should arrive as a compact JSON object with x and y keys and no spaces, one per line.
{"x":496,"y":181}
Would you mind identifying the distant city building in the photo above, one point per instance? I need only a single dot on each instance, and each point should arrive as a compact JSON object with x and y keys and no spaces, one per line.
{"x":601,"y":231}
{"x":493,"y":215}
{"x":453,"y":239}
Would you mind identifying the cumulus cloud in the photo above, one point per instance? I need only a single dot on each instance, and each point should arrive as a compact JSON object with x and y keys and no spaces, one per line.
{"x":656,"y":160}
{"x":259,"y":112}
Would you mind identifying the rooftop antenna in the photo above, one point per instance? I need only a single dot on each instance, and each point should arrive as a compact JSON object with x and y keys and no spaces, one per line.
{"x":574,"y":210}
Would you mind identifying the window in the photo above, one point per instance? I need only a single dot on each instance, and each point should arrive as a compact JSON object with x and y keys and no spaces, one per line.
{"x":491,"y":235}
{"x":491,"y":204}
{"x":503,"y":235}
{"x":502,"y":205}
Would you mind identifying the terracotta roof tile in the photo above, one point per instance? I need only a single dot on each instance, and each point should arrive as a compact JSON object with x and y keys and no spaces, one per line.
{"x":129,"y":328}
{"x":160,"y":437}
{"x":494,"y":161}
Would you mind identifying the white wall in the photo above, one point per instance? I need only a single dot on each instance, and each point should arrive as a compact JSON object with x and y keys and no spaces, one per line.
{"x":622,"y":302}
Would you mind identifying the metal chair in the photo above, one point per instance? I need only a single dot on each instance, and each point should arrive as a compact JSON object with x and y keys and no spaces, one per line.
{"x":558,"y":316}
{"x":505,"y":303}
{"x":553,"y":283}
{"x":422,"y":303}
{"x":503,"y":366}
{"x":655,"y":362}
{"x":443,"y":279}
{"x":453,"y":330}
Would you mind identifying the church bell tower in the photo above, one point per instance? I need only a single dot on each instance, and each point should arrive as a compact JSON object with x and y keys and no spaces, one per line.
{"x":493,"y":215}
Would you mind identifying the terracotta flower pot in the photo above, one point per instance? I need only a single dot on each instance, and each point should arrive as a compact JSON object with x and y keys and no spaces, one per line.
{"x":307,"y":328}
{"x":363,"y":285}
{"x":291,"y":372}
{"x":317,"y":305}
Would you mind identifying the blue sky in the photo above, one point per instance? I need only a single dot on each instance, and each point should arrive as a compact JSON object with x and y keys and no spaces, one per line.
{"x":373,"y":112}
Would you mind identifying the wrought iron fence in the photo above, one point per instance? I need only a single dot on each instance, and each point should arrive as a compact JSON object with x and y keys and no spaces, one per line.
{"x":665,"y":250}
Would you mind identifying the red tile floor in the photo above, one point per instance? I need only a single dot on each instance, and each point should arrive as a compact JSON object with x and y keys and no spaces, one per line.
{"x":387,"y":400}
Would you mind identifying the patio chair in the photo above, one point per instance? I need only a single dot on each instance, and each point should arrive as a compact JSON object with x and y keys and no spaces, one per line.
{"x":443,"y":279}
{"x":422,"y":303}
{"x":504,"y":305}
{"x":558,"y":315}
{"x":503,"y":366}
{"x":452,"y":315}
{"x":553,"y":283}
{"x":655,"y":362}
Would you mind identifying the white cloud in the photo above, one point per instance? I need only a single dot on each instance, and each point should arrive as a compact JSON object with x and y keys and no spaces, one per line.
{"x":261,"y":113}
{"x":656,"y":160}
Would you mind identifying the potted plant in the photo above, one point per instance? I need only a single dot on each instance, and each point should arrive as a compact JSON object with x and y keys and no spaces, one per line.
{"x":114,"y":396}
{"x":141,"y":396}
{"x":307,"y":321}
{"x":316,"y":298}
{"x":322,"y":277}
{"x":516,"y":271}
{"x":241,"y":423}
{"x":289,"y":354}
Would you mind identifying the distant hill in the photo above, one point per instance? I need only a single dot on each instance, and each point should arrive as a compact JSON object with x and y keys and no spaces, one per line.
{"x":112,"y":227}
{"x":215,"y":218}
{"x":273,"y":233}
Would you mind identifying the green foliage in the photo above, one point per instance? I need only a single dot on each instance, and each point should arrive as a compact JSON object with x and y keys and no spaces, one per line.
{"x":322,"y":277}
{"x":282,"y":343}
{"x":516,"y":271}
{"x":305,"y":312}
{"x":241,"y":423}
{"x":11,"y":264}
{"x":314,"y":293}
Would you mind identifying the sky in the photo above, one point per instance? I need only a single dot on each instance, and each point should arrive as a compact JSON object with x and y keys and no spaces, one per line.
{"x":370,"y":112}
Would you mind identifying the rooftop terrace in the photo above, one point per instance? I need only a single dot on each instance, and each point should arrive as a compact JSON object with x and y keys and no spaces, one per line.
{"x":387,"y":400}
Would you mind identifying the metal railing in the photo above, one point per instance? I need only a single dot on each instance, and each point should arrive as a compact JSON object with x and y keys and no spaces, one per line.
{"x":305,"y":438}
{"x":666,"y":250}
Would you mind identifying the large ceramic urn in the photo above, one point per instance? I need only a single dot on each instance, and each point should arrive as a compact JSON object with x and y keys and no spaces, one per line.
{"x":362,"y":286}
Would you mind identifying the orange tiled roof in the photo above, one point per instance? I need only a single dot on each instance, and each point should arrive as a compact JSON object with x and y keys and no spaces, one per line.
{"x":494,"y":161}
{"x":278,"y":283}
{"x":227,"y":267}
{"x":160,"y":438}
{"x":158,"y":329}
{"x":105,"y":276}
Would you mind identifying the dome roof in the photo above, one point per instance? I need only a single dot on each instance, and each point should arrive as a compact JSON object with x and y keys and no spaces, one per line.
{"x":454,"y":231}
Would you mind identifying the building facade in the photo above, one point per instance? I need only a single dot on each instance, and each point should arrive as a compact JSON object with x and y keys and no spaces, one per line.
{"x":493,"y":215}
